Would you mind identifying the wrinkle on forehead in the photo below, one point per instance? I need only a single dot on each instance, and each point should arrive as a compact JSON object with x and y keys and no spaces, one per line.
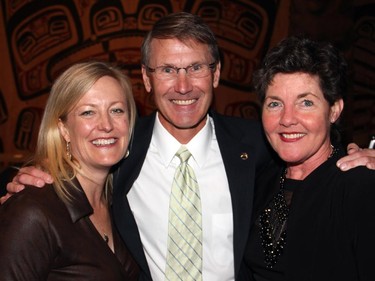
{"x":178,"y":53}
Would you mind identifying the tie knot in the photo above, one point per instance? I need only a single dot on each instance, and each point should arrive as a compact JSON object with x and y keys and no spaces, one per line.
{"x":183,"y":153}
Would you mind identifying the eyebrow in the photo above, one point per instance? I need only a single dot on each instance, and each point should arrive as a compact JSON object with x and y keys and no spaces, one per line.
{"x":173,"y":65}
{"x":299,"y":96}
{"x":302,"y":95}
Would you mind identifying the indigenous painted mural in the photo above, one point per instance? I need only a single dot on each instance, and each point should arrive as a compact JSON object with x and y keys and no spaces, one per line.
{"x":40,"y":39}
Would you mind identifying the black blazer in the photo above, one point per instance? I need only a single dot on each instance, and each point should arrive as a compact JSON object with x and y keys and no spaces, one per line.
{"x":244,"y":152}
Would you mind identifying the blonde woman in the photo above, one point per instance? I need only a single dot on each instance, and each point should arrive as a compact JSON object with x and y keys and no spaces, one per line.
{"x":65,"y":231}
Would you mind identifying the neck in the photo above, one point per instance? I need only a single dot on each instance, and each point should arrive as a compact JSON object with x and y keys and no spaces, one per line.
{"x":94,"y":191}
{"x":93,"y":188}
{"x":300,"y":171}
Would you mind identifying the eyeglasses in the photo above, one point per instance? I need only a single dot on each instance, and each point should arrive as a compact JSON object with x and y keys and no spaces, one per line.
{"x":169,"y":72}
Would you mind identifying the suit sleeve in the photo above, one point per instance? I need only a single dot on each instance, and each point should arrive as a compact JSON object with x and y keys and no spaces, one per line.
{"x":26,"y":247}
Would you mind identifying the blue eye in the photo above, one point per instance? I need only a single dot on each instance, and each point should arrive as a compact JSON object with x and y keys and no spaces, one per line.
{"x":87,"y":113}
{"x":273,"y":104}
{"x":307,"y":103}
{"x":167,"y":70}
{"x":196,"y":68}
{"x":117,"y":110}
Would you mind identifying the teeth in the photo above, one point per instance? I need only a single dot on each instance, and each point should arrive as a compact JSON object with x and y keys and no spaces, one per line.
{"x":292,"y":136}
{"x":103,"y":141}
{"x":183,"y":102}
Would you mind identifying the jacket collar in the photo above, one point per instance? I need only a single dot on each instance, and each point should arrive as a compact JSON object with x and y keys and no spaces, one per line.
{"x":79,"y":205}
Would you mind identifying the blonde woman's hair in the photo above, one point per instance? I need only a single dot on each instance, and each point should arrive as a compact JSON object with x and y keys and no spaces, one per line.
{"x":67,"y":90}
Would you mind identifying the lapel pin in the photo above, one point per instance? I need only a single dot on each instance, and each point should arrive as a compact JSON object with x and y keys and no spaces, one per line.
{"x":244,"y":156}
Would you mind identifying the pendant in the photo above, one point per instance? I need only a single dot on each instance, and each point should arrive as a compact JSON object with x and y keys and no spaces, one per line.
{"x":106,"y":238}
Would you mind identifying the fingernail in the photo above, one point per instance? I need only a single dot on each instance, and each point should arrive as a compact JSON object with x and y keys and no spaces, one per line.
{"x":343,"y":167}
{"x":39,"y":183}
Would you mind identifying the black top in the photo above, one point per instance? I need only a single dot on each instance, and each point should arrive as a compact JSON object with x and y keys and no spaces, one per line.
{"x":42,"y":238}
{"x":330,"y":226}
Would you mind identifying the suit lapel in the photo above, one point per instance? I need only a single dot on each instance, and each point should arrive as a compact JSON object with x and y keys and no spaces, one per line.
{"x":241,"y":147}
{"x":124,"y":178}
{"x":239,"y":161}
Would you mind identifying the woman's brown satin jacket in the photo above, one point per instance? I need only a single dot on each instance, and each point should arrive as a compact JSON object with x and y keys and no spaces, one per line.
{"x":42,"y":238}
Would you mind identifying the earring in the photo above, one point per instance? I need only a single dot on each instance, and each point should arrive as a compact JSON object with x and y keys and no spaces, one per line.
{"x":68,"y":150}
{"x":127,"y":154}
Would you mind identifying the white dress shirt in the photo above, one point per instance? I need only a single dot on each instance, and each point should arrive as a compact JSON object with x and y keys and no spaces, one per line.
{"x":149,"y":201}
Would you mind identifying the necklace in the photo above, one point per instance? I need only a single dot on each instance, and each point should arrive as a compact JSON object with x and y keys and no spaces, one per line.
{"x":273,"y":226}
{"x":333,"y":151}
{"x":106,"y":238}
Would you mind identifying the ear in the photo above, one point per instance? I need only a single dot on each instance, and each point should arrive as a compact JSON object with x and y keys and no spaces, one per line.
{"x":216,"y":79}
{"x":146,"y":79}
{"x":63,"y":130}
{"x":336,"y":110}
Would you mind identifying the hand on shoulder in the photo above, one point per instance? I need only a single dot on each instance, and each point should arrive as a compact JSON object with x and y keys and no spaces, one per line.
{"x":26,"y":176}
{"x":357,"y":157}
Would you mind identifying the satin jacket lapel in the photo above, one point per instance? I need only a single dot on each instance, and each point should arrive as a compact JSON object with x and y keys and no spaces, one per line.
{"x":124,"y":178}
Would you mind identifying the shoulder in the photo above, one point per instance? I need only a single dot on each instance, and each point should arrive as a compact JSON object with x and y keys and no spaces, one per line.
{"x":360,"y":176}
{"x":357,"y":186}
{"x":145,"y":122}
{"x":143,"y":131}
{"x":27,"y":225}
{"x":30,"y":204}
{"x":236,"y":121}
{"x":28,"y":237}
{"x":242,"y":129}
{"x":243,"y":133}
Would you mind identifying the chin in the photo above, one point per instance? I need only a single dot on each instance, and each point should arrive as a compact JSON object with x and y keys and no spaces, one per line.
{"x":108,"y":163}
{"x":290,"y":158}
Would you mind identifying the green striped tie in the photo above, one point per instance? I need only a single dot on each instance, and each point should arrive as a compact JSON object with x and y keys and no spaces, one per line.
{"x":184,"y":256}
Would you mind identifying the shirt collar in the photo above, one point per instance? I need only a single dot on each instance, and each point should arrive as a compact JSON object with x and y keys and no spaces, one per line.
{"x":198,"y":146}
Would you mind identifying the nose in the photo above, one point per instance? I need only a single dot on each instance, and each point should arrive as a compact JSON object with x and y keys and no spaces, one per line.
{"x":288,"y":117}
{"x":105,"y":123}
{"x":183,"y":84}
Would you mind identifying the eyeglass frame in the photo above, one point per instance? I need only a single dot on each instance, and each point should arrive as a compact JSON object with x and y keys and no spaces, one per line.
{"x":211,"y":66}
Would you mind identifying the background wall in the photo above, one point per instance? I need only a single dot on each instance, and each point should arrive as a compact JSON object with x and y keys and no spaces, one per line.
{"x":39,"y":39}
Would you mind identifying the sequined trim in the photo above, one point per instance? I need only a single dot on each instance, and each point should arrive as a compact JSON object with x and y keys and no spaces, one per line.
{"x":273,"y":226}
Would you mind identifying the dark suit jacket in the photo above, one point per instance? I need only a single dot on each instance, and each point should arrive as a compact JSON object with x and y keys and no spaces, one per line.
{"x":236,"y":137}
